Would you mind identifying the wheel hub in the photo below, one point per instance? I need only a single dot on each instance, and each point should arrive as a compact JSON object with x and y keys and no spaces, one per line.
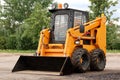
{"x":81,"y":60}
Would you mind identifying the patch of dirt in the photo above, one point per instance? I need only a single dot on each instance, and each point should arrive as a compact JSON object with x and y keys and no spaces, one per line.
{"x":7,"y":62}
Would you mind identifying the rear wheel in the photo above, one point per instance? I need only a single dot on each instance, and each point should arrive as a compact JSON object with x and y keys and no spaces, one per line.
{"x":98,"y":60}
{"x":80,"y":60}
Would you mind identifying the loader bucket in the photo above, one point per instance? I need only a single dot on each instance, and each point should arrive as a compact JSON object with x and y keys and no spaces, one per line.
{"x":62,"y":65}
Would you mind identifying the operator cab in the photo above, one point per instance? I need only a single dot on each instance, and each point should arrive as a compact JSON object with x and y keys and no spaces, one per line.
{"x":62,"y":20}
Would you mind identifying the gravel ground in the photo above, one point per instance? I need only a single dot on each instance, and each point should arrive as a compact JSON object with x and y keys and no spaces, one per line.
{"x":7,"y":62}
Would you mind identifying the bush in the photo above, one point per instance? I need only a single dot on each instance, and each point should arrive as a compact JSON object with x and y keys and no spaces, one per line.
{"x":2,"y":42}
{"x":26,"y":43}
{"x":11,"y":42}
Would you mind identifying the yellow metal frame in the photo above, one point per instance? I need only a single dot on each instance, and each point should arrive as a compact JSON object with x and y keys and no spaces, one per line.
{"x":97,"y":29}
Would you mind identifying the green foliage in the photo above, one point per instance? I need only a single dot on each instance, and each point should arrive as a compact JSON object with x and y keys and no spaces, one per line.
{"x":113,"y":51}
{"x":111,"y":36}
{"x":21,"y":22}
{"x":113,"y":39}
{"x":0,"y":9}
{"x":2,"y":42}
{"x":35,"y":22}
{"x":102,"y":6}
{"x":11,"y":42}
{"x":26,"y":43}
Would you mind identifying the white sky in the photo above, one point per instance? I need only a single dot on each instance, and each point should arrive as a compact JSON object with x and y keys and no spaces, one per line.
{"x":83,"y":5}
{"x":76,"y":4}
{"x":1,"y":1}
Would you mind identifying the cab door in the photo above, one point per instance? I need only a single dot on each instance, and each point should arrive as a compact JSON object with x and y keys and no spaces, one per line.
{"x":61,"y":26}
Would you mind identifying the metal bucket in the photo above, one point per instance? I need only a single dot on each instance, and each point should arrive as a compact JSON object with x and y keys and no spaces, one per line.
{"x":62,"y":65}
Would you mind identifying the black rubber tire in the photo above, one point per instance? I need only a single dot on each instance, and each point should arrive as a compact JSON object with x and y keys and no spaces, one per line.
{"x":98,"y":60}
{"x":80,"y":53}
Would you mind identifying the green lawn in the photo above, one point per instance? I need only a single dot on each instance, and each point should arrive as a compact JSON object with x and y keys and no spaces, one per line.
{"x":113,"y":51}
{"x":17,"y":51}
{"x":33,"y":51}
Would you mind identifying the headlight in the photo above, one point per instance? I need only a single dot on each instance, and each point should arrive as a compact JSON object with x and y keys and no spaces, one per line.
{"x":77,"y":42}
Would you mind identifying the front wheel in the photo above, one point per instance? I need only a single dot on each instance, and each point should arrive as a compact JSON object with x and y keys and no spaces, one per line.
{"x":80,"y":59}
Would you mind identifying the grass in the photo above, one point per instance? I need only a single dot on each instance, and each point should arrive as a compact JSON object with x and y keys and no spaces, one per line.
{"x":17,"y":51}
{"x":33,"y":51}
{"x":113,"y":51}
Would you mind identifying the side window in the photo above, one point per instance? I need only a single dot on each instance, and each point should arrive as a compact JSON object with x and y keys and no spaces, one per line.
{"x":84,"y":18}
{"x":79,"y":18}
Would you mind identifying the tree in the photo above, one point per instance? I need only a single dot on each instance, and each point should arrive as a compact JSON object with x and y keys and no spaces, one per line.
{"x":35,"y":22}
{"x":16,"y":11}
{"x":21,"y":16}
{"x":103,"y":6}
{"x":32,"y":26}
{"x":111,"y":36}
{"x":98,"y":7}
{"x":0,"y":8}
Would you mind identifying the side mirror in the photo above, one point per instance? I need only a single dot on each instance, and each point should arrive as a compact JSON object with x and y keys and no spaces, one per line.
{"x":82,"y":28}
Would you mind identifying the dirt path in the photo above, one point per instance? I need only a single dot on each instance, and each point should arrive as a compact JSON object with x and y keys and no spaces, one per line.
{"x":111,"y":72}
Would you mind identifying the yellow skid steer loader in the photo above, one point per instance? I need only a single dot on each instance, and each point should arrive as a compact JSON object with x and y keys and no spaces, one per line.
{"x":72,"y":43}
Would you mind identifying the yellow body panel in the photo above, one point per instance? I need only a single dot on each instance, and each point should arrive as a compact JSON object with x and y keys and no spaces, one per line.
{"x":96,"y":38}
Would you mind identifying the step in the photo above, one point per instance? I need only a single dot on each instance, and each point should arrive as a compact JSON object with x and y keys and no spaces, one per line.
{"x":54,"y":50}
{"x":56,"y":46}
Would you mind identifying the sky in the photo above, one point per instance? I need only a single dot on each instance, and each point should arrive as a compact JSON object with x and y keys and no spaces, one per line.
{"x":83,"y":5}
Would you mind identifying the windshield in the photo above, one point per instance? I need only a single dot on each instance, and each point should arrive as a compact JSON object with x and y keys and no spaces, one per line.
{"x":61,"y":25}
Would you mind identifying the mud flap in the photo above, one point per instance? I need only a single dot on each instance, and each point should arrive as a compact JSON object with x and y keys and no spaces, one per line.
{"x":62,"y":65}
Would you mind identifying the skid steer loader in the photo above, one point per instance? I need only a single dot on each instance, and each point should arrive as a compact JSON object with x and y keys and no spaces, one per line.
{"x":72,"y":43}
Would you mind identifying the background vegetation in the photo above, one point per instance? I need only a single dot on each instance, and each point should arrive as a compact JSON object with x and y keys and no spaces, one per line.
{"x":22,"y":20}
{"x":113,"y":30}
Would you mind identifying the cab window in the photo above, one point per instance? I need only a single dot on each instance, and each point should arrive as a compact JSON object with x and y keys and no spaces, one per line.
{"x":61,"y":26}
{"x":79,"y":18}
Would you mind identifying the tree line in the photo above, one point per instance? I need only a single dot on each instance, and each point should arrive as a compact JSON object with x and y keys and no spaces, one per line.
{"x":113,"y":30}
{"x":22,"y":20}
